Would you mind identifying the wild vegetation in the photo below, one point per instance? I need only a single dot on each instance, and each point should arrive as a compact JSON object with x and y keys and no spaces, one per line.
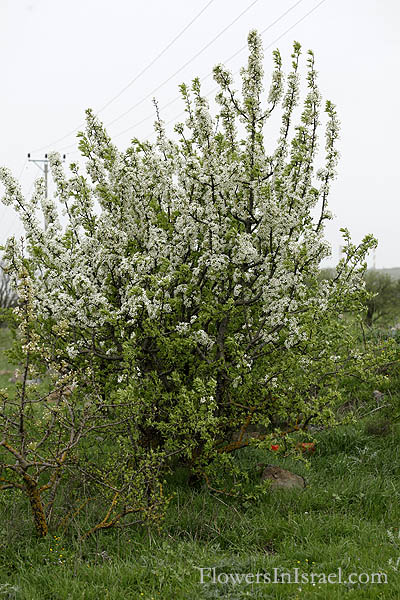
{"x":175,"y":333}
{"x":347,"y":516}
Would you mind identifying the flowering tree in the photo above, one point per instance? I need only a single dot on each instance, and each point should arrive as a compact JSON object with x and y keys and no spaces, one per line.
{"x":185,"y":284}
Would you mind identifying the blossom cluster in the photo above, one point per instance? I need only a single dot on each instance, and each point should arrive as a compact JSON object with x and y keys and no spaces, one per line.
{"x":205,"y":241}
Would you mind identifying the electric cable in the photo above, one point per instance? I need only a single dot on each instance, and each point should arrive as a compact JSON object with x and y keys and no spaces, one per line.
{"x":150,"y":64}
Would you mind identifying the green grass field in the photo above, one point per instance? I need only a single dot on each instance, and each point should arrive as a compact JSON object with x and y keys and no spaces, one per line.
{"x":348,"y":517}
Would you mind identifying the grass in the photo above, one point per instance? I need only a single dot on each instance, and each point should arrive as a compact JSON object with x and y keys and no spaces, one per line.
{"x":347,"y":517}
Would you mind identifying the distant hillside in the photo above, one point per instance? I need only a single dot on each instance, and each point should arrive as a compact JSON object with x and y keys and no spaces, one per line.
{"x":394,"y":272}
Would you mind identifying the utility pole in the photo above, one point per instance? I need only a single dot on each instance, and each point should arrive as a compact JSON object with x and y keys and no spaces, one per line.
{"x":45,"y":168}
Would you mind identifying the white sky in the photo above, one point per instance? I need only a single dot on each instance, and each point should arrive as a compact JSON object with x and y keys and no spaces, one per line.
{"x":58,"y":58}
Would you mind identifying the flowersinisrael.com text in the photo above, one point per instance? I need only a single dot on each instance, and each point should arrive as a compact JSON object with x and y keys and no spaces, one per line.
{"x":209,"y":575}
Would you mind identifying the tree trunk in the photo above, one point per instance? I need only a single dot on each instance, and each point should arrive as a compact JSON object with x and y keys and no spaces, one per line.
{"x":39,"y":516}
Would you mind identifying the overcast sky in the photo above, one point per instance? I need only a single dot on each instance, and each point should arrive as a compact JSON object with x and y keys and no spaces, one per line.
{"x":59,"y":58}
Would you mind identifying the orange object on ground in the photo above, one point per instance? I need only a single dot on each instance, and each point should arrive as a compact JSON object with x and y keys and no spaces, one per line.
{"x":306,"y":447}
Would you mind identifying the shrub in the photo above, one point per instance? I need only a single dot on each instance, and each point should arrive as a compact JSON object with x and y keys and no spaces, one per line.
{"x":182,"y":299}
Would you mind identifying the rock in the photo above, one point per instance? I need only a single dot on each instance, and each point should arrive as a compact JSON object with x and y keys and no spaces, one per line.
{"x":280,"y":478}
{"x":378,"y":395}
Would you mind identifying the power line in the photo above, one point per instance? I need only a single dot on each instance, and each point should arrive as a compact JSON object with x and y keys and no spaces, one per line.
{"x":232,"y":56}
{"x":237,"y":71}
{"x":23,"y":168}
{"x":227,"y":60}
{"x":151,"y":116}
{"x":278,"y":38}
{"x":150,"y":94}
{"x":261,"y":33}
{"x":147,"y":67}
{"x":150,"y":64}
